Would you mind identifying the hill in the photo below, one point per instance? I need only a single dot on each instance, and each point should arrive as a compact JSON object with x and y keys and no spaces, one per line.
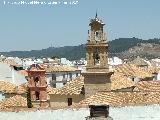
{"x":122,"y":47}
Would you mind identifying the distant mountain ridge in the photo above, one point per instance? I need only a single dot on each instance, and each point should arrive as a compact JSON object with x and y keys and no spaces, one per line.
{"x":122,"y":47}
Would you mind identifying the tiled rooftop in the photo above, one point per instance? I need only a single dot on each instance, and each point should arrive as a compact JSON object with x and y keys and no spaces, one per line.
{"x":59,"y":68}
{"x":149,"y":86}
{"x":15,"y":101}
{"x":22,"y":88}
{"x":72,"y":87}
{"x":75,"y":86}
{"x":8,"y":87}
{"x":119,"y":81}
{"x":153,"y":69}
{"x":132,"y":70}
{"x":123,"y":98}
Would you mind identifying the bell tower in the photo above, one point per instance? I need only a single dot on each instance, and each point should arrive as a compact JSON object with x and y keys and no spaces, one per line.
{"x":97,"y":47}
{"x":97,"y":75}
{"x":37,"y":85}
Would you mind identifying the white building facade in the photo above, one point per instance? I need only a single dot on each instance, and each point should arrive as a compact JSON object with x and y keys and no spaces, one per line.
{"x":59,"y":79}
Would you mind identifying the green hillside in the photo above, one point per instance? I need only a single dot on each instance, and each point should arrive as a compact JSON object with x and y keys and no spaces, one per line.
{"x":76,"y":52}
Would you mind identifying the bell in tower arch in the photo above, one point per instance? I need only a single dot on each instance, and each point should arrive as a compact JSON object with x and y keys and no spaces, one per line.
{"x":96,"y":57}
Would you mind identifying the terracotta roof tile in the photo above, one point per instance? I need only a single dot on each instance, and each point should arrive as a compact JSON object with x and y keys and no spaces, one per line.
{"x":51,"y":90}
{"x":119,"y":81}
{"x":22,"y":88}
{"x":59,"y":68}
{"x":72,"y":87}
{"x":8,"y":87}
{"x":153,"y":69}
{"x":123,"y":98}
{"x":132,"y":70}
{"x":15,"y":101}
{"x":148,"y":86}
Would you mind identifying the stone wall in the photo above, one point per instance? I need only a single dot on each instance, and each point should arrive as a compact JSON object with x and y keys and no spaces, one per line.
{"x":62,"y":100}
{"x":91,"y":89}
{"x":94,"y":82}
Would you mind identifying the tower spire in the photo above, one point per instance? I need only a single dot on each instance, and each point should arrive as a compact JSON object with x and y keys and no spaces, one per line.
{"x":96,"y":14}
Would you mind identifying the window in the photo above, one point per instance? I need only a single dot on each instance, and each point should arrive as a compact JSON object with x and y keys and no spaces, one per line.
{"x":70,"y":75}
{"x":63,"y":75}
{"x":53,"y":77}
{"x":36,"y":81}
{"x":76,"y":74}
{"x":64,"y":83}
{"x":53,"y":84}
{"x":37,"y":95}
{"x":69,"y":101}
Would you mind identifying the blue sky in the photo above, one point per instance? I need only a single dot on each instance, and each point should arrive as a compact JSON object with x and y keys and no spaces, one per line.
{"x":26,"y":27}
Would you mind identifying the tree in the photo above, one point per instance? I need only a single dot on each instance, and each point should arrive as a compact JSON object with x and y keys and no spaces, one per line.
{"x":29,"y":102}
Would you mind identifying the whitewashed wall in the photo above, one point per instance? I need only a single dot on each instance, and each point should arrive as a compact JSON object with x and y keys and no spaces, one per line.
{"x":126,"y":113}
{"x":59,"y":77}
{"x":158,"y":76}
{"x":10,"y":75}
{"x":1,"y":96}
